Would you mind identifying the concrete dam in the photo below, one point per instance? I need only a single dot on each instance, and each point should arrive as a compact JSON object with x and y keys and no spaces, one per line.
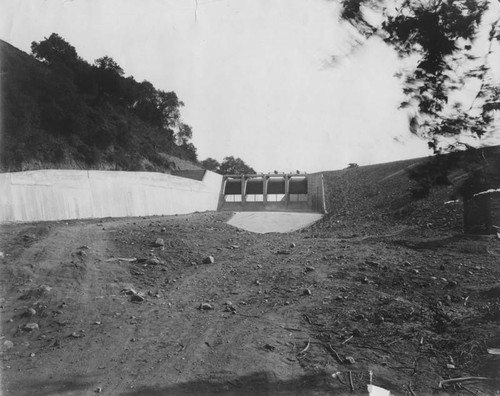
{"x":55,"y":194}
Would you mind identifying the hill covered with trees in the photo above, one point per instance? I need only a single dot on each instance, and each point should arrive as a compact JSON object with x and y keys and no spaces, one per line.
{"x":60,"y":111}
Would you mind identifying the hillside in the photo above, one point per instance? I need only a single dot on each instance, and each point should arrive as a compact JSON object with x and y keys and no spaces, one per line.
{"x":384,"y":284}
{"x":378,"y":197}
{"x":62,"y":112}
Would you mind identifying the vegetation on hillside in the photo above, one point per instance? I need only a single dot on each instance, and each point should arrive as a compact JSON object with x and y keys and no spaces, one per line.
{"x":60,"y":111}
{"x":229,"y":166}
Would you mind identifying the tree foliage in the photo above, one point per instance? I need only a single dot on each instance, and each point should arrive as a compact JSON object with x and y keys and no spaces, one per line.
{"x":54,"y":49}
{"x":235,"y":166}
{"x":210,"y":164}
{"x":452,"y":41}
{"x":443,"y":35}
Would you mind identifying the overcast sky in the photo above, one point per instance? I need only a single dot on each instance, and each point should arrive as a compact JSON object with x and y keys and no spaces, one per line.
{"x":254,"y":75}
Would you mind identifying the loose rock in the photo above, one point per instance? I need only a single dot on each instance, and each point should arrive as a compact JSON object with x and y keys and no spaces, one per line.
{"x":136,"y":298}
{"x":159,"y":242}
{"x":269,"y":347}
{"x":7,"y":344}
{"x":154,"y":261}
{"x":129,"y":291}
{"x":208,"y":260}
{"x":30,"y":312}
{"x":306,"y":292}
{"x":30,"y":327}
{"x":205,"y":307}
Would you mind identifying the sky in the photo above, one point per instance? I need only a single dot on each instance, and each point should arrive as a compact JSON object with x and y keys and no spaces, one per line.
{"x":255,"y":76}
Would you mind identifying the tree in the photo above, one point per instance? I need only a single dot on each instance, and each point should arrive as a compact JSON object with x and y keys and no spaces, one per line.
{"x":210,"y":164}
{"x":54,"y":49}
{"x":184,"y":134}
{"x":169,"y":104}
{"x":235,"y":166}
{"x":108,"y":64}
{"x":446,"y":36}
{"x":108,"y":76}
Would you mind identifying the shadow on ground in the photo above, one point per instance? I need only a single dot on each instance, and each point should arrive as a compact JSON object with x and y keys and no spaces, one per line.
{"x":259,"y":383}
{"x":49,"y":387}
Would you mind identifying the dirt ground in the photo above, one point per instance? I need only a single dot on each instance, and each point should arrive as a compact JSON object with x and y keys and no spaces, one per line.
{"x":273,"y":314}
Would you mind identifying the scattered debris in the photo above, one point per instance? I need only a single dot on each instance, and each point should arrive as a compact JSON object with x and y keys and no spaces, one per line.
{"x":307,"y":346}
{"x":349,"y":360}
{"x":205,"y":307}
{"x":351,"y":384}
{"x":463,"y":379}
{"x":310,"y":268}
{"x":377,"y":391}
{"x":127,"y":260}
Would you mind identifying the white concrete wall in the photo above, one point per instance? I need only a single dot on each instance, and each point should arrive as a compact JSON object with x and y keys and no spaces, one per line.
{"x":76,"y":194}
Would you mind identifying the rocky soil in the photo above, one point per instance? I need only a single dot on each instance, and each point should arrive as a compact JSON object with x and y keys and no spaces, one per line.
{"x":189,"y":305}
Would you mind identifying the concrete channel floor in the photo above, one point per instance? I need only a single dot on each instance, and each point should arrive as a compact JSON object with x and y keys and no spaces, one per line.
{"x":263,"y":222}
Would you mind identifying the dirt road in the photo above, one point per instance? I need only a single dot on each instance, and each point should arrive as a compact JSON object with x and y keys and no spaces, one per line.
{"x":281,"y":313}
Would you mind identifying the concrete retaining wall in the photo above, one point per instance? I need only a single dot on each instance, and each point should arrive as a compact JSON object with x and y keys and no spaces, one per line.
{"x":75,"y":194}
